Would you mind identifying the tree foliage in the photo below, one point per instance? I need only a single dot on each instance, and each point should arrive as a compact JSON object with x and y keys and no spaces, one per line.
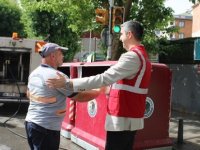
{"x":79,"y":14}
{"x":10,"y":15}
{"x":153,"y":15}
{"x":51,"y":23}
{"x":178,"y":51}
{"x":194,"y":1}
{"x":66,"y":20}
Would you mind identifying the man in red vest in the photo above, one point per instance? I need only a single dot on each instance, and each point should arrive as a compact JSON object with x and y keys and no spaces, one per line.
{"x":129,"y":79}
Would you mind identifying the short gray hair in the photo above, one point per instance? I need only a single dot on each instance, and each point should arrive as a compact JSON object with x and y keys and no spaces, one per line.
{"x":135,"y":27}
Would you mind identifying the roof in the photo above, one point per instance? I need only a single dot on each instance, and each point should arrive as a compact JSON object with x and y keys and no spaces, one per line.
{"x":185,"y":15}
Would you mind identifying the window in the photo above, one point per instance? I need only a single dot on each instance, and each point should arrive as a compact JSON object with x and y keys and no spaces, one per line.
{"x":181,"y":35}
{"x":181,"y":24}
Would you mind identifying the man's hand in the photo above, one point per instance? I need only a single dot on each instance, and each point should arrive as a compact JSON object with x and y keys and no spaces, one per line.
{"x":59,"y":82}
{"x":86,"y":96}
{"x":105,"y":90}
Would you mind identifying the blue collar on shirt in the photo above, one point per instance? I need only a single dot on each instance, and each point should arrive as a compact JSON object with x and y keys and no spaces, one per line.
{"x":45,"y":65}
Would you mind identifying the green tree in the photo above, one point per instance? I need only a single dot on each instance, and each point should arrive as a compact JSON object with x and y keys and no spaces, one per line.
{"x":10,"y":15}
{"x":153,"y":15}
{"x":194,"y":1}
{"x":75,"y":17}
{"x":51,"y":24}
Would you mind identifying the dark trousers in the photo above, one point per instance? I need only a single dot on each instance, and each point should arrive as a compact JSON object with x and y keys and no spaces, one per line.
{"x":120,"y":140}
{"x":40,"y":138}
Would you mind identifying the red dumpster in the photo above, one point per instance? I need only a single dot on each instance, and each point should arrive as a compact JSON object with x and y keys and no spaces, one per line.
{"x":89,"y":131}
{"x":69,"y":69}
{"x":158,"y":103}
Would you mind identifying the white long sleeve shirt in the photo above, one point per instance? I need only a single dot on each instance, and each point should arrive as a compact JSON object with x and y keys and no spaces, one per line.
{"x":126,"y":68}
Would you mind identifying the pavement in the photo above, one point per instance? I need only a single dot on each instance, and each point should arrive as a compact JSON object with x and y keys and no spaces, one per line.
{"x":191,"y":131}
{"x":190,"y":139}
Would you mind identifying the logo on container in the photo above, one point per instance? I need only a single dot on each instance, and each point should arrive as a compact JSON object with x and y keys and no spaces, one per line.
{"x":92,"y":108}
{"x":149,"y":107}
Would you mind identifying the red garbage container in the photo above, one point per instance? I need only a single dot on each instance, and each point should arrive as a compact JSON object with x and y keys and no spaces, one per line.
{"x":69,"y":69}
{"x":89,"y":131}
{"x":157,"y":115}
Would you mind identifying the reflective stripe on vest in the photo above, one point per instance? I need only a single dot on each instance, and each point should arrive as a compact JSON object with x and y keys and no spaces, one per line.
{"x":45,"y":100}
{"x":136,"y":88}
{"x":129,"y":88}
{"x":60,"y":112}
{"x":140,"y":76}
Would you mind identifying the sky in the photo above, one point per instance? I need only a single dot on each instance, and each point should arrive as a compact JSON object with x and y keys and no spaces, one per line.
{"x":179,"y":6}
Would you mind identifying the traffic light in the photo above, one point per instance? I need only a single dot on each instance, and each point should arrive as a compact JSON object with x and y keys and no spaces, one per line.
{"x":118,"y":18}
{"x":102,"y":16}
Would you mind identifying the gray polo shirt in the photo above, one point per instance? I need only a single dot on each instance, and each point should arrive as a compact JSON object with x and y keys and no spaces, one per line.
{"x":44,"y":114}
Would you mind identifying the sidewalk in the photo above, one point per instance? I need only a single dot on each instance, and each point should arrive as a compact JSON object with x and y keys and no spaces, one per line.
{"x":10,"y":141}
{"x":191,"y":131}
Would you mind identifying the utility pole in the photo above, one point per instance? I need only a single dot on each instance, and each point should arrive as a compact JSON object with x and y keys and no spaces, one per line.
{"x":109,"y":50}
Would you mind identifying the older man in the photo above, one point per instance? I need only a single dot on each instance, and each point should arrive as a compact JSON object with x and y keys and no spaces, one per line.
{"x":47,"y":106}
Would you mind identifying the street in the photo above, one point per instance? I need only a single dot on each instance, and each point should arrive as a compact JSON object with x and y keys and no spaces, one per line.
{"x":9,"y":140}
{"x":12,"y":134}
{"x":16,"y":138}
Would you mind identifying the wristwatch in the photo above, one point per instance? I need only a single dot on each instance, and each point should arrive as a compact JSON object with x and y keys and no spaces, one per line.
{"x":68,"y":84}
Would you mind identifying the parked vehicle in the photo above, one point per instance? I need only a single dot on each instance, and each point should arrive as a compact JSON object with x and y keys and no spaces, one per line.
{"x":18,"y":57}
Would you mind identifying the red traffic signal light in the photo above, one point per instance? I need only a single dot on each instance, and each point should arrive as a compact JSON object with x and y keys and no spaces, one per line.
{"x":102,"y":16}
{"x":118,"y":16}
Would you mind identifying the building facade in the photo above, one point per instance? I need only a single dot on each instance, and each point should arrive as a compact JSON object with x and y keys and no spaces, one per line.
{"x":196,"y":20}
{"x":184,"y":23}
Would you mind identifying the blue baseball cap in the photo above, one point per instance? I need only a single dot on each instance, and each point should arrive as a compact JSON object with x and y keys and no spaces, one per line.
{"x":50,"y":48}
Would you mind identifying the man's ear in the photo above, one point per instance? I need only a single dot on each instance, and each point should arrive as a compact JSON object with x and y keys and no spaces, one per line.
{"x":131,"y":34}
{"x":52,"y":55}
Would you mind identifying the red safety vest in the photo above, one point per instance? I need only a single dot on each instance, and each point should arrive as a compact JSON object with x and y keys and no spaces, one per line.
{"x":128,"y":96}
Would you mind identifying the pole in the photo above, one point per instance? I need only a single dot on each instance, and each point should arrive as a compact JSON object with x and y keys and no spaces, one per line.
{"x":90,"y":42}
{"x":180,"y":131}
{"x":110,"y":37}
